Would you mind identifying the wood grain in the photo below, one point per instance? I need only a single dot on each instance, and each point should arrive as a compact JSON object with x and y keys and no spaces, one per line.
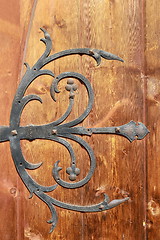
{"x":116,"y":27}
{"x":119,"y":163}
{"x":56,"y":21}
{"x":153,"y":119}
{"x":9,"y":65}
{"x":123,"y":91}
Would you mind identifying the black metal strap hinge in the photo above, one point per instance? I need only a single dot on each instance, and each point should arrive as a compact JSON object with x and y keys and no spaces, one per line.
{"x":59,"y":131}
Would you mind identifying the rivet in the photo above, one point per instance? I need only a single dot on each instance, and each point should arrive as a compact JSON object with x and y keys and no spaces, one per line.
{"x":14,"y":132}
{"x":13,"y":190}
{"x":101,"y":206}
{"x":117,"y":130}
{"x":54,"y":131}
{"x":91,"y":52}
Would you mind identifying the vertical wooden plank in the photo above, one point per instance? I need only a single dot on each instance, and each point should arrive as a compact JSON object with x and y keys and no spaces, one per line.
{"x":9,"y":63}
{"x":26,"y":14}
{"x":13,"y":34}
{"x":153,"y":119}
{"x":116,"y":27}
{"x":58,"y":21}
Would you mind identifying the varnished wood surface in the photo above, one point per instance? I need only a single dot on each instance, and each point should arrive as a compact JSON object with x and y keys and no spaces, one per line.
{"x":153,"y":119}
{"x":123,"y":92}
{"x":9,"y":69}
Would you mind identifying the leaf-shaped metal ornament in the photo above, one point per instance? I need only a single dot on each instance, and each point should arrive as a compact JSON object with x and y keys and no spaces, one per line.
{"x":59,"y":132}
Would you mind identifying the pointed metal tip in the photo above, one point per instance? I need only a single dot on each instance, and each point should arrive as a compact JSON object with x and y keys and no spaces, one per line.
{"x":56,"y":163}
{"x":110,"y":56}
{"x":42,"y":29}
{"x":106,"y":198}
{"x":42,"y":40}
{"x":117,"y":202}
{"x":46,"y":34}
{"x":52,"y":228}
{"x":59,"y":169}
{"x":126,"y":199}
{"x":31,"y":195}
{"x":118,"y":58}
{"x":53,"y":95}
{"x":121,"y":60}
{"x":98,"y":61}
{"x":27,"y":65}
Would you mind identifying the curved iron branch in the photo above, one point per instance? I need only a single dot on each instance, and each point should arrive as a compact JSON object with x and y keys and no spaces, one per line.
{"x":21,"y":164}
{"x":82,"y":182}
{"x":87,"y":84}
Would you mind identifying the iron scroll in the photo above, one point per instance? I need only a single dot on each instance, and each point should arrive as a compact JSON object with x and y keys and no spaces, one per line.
{"x":59,"y":131}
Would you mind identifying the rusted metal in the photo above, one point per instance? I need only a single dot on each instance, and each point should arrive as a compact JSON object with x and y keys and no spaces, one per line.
{"x":58,"y":131}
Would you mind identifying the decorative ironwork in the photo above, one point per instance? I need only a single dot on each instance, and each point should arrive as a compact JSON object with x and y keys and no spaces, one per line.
{"x":58,"y":131}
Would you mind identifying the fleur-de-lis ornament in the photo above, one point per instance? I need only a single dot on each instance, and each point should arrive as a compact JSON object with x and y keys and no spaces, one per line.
{"x":59,"y":131}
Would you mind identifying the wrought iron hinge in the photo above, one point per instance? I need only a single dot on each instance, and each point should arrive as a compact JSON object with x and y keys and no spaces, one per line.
{"x":59,"y":131}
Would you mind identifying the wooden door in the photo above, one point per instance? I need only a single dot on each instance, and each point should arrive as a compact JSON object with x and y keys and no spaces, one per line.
{"x":123,"y":91}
